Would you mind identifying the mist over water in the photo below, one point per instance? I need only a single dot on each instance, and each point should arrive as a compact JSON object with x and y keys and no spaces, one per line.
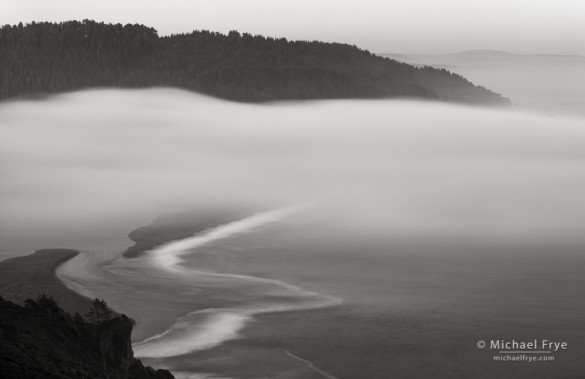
{"x":110,"y":157}
{"x":417,"y":211}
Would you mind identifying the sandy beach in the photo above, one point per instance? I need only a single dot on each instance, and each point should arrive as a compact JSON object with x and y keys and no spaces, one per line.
{"x":29,"y":276}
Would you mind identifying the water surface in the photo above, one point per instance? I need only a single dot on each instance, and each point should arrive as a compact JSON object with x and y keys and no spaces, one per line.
{"x":388,"y":236}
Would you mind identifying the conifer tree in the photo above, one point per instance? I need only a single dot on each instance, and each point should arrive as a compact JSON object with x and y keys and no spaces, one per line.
{"x":99,"y":312}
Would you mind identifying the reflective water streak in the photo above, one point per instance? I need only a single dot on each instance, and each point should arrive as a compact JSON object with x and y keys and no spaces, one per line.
{"x":208,"y":328}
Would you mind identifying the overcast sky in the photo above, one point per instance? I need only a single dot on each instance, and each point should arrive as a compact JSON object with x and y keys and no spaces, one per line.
{"x":398,"y":26}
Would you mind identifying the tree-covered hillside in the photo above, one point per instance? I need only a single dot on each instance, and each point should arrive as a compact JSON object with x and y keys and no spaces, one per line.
{"x":40,"y":340}
{"x":44,"y":58}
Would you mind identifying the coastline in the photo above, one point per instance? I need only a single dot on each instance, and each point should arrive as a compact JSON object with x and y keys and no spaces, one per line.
{"x":206,"y":324}
{"x":107,"y":349}
{"x":170,"y":227}
{"x":203,"y":329}
{"x":26,"y":277}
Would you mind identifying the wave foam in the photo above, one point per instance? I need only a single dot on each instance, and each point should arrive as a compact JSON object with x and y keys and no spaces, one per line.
{"x":168,"y":256}
{"x":198,"y":330}
{"x":204,"y":329}
{"x":208,"y":328}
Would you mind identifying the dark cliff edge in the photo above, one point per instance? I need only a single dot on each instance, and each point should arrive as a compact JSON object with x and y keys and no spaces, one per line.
{"x":43,"y":341}
{"x":40,"y":339}
{"x":47,"y":58}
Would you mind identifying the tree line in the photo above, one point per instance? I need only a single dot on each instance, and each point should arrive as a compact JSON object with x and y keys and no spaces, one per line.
{"x":45,"y":58}
{"x":98,"y":313}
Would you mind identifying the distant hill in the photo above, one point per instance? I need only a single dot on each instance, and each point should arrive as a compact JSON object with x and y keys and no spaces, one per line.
{"x":506,"y":55}
{"x":46,"y":58}
{"x":480,"y":56}
{"x":480,"y":53}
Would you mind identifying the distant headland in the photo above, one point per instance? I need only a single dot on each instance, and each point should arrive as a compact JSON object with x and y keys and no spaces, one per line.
{"x":44,"y":58}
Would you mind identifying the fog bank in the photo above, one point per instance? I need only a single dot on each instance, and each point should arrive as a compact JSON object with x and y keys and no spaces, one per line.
{"x":83,"y":168}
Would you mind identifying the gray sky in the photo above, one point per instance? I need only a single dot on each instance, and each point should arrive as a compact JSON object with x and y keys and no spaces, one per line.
{"x":401,"y":26}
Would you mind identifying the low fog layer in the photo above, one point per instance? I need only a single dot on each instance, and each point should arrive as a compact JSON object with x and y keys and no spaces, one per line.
{"x":81,"y":168}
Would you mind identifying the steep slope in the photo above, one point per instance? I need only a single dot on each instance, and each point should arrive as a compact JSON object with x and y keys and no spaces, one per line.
{"x":42,"y":341}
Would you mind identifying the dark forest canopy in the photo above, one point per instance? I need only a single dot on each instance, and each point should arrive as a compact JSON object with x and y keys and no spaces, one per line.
{"x":45,"y":58}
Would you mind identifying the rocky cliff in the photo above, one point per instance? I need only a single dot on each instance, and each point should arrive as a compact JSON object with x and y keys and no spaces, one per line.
{"x":40,"y":340}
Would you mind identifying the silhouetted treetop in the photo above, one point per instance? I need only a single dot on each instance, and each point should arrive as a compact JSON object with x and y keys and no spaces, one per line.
{"x":43,"y":58}
{"x":99,"y":312}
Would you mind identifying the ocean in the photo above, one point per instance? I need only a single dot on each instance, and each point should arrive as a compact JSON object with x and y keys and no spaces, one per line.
{"x":387,"y":238}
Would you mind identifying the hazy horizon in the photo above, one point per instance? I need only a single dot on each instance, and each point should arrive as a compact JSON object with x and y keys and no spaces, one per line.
{"x":479,"y":50}
{"x":414,"y":27}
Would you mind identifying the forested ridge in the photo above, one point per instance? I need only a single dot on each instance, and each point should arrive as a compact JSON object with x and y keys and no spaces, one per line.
{"x":45,"y":58}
